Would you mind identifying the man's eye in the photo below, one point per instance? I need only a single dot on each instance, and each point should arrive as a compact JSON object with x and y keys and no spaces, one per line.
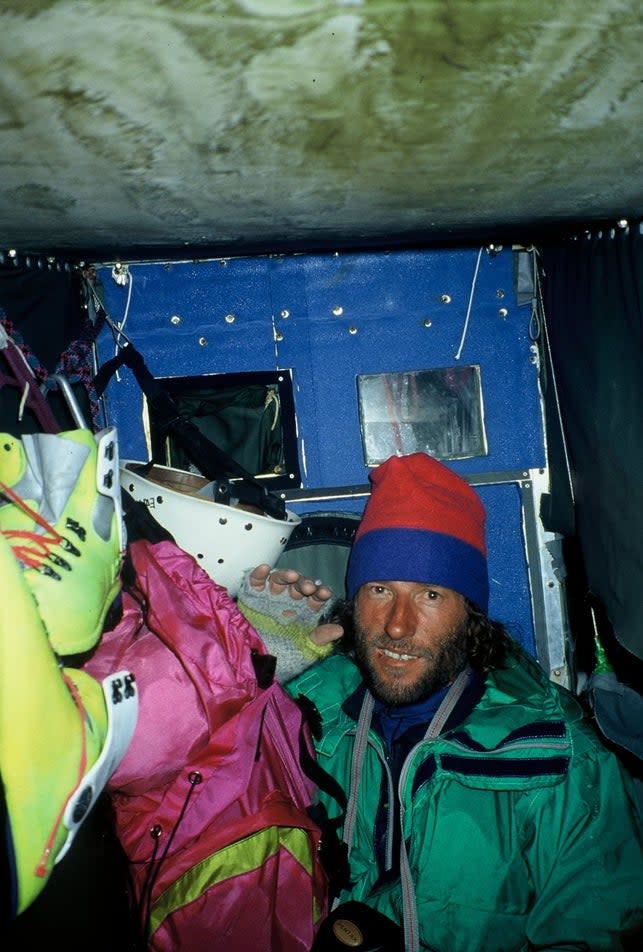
{"x":377,"y":589}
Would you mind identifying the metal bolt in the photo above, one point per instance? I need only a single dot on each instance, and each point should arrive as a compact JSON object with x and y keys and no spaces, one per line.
{"x":203,"y":341}
{"x":338,"y":310}
{"x":445,"y":298}
{"x":500,"y":293}
{"x":230,"y":318}
{"x":502,"y":312}
{"x":352,"y":330}
{"x":427,"y":322}
{"x":175,"y":319}
{"x":285,"y":313}
{"x":278,"y":336}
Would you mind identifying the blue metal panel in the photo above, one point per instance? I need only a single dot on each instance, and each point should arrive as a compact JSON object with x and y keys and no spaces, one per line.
{"x":346,"y":314}
{"x":375,"y":313}
{"x":329,"y":318}
{"x":187,"y":319}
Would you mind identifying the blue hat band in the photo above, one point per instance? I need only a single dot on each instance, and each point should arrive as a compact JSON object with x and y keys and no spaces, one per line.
{"x":419,"y":555}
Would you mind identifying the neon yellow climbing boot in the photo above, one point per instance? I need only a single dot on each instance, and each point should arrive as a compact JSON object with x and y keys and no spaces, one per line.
{"x":62,"y":734}
{"x":61,"y":512}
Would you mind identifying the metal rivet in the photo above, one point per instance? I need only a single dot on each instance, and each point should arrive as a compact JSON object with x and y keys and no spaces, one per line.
{"x":352,"y":330}
{"x":338,"y":310}
{"x":502,"y":312}
{"x":279,"y":336}
{"x":445,"y":298}
{"x":285,"y":313}
{"x":175,"y":319}
{"x":230,"y":318}
{"x":203,"y":341}
{"x":427,"y":322}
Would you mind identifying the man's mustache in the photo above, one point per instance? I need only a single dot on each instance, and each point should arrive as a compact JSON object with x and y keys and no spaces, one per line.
{"x":399,"y":646}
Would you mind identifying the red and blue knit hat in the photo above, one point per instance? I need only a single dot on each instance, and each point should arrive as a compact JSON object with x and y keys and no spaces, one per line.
{"x":422,"y":523}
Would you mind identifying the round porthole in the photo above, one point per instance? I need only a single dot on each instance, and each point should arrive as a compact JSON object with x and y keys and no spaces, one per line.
{"x":320,"y":545}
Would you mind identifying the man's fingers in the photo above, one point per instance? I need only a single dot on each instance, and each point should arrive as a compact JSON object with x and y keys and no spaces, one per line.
{"x":298,"y":586}
{"x":258,"y":576}
{"x":279,"y":579}
{"x":321,"y":594}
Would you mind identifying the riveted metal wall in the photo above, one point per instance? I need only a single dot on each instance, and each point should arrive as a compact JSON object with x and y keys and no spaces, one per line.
{"x":329,"y":317}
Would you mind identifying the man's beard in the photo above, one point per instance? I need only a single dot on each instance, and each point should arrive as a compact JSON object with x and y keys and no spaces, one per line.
{"x":444,"y":665}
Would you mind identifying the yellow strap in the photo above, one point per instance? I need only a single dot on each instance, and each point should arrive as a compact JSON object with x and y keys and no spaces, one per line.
{"x":235,"y":859}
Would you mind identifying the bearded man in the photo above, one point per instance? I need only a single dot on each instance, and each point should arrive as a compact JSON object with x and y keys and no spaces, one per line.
{"x":484,"y":813}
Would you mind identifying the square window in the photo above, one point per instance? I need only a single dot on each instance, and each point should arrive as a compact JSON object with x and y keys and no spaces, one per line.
{"x":248,"y":416}
{"x":438,"y":412}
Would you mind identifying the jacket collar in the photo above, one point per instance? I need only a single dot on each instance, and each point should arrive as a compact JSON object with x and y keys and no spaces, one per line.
{"x":504,"y":721}
{"x":413,"y":712}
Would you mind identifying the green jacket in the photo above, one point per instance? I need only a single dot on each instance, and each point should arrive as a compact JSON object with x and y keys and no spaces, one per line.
{"x":521,"y":827}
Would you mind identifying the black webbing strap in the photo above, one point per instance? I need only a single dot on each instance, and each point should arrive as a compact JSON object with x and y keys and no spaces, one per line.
{"x":210,"y":459}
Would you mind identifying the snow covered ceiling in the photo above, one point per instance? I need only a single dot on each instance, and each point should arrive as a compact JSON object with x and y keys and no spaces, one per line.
{"x":243,"y":125}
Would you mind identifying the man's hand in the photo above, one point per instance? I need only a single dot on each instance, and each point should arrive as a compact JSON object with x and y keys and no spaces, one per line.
{"x":298,"y":587}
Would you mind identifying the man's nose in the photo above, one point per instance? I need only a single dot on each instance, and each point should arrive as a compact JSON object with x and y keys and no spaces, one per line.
{"x":401,"y":620}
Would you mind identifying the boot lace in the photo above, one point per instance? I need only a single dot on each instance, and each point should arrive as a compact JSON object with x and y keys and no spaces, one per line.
{"x":35,"y":549}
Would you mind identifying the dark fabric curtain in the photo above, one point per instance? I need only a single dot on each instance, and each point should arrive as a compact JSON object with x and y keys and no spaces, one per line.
{"x":593,"y":302}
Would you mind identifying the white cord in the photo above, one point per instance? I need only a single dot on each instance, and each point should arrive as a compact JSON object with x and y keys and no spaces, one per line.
{"x":466,"y":320}
{"x":120,"y":326}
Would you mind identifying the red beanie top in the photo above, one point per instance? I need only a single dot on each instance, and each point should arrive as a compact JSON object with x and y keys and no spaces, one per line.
{"x":422,"y":523}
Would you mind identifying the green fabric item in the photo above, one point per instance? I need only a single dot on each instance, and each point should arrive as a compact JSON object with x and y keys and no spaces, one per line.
{"x":602,"y":665}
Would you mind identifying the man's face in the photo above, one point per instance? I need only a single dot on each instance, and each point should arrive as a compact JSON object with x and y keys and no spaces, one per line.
{"x":410,"y":639}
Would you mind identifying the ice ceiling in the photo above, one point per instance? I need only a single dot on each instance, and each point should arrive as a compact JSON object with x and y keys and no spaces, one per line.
{"x":245,"y":125}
